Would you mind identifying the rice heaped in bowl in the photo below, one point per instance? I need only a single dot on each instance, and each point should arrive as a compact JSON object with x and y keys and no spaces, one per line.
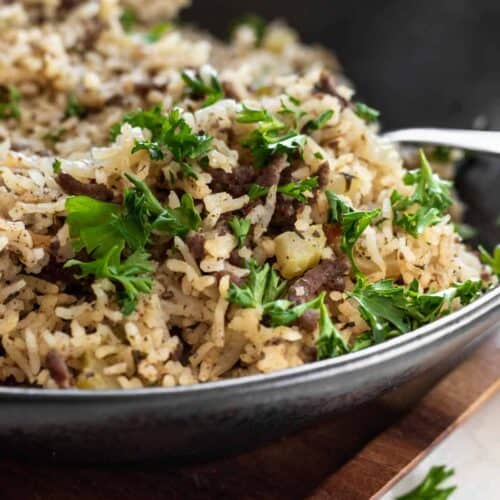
{"x":176,"y":210}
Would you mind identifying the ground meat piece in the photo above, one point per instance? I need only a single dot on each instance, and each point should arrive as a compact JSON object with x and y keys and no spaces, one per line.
{"x":323,"y":174}
{"x":235,"y":259}
{"x":72,"y":186}
{"x":332,"y":233}
{"x":236,"y":183}
{"x":270,"y":175}
{"x":327,"y":85}
{"x":230,"y":91}
{"x":58,"y":369}
{"x":329,"y":274}
{"x":308,"y":320}
{"x":196,"y":245}
{"x":284,"y":214}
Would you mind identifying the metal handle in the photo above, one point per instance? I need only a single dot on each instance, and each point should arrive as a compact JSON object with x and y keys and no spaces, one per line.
{"x":473,"y":140}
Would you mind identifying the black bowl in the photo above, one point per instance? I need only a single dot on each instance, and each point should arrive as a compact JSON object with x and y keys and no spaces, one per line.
{"x":417,"y":62}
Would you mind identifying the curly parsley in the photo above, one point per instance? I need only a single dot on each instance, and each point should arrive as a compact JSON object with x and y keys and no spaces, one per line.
{"x":431,"y":487}
{"x":240,"y":228}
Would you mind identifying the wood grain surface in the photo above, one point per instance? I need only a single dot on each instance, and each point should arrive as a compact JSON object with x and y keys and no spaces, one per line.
{"x":317,"y":462}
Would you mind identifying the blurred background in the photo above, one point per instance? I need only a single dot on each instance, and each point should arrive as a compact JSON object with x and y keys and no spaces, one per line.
{"x":425,"y":63}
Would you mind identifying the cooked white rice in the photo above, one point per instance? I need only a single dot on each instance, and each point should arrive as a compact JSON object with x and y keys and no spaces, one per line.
{"x":185,"y":331}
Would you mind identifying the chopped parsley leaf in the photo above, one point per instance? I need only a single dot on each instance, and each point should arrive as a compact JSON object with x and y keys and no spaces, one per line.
{"x":465,"y":231}
{"x":10,"y":97}
{"x":211,"y":91}
{"x":56,"y":166}
{"x":318,"y":123}
{"x":330,"y":342}
{"x":431,"y":487}
{"x":240,"y":228}
{"x":426,"y":206}
{"x":157,"y":32}
{"x":492,"y":260}
{"x":319,"y":156}
{"x":270,"y":138}
{"x":128,"y":19}
{"x":74,"y":108}
{"x":353,"y":223}
{"x":366,"y":113}
{"x":168,"y":133}
{"x":295,"y":189}
{"x":441,"y":154}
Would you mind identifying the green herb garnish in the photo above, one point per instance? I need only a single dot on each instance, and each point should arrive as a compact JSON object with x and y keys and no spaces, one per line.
{"x":318,"y":123}
{"x":270,"y":138}
{"x":128,"y":19}
{"x":391,"y":309}
{"x":431,"y":487}
{"x":441,"y":154}
{"x":295,"y":190}
{"x":330,"y":342}
{"x":492,"y":260}
{"x":465,"y":231}
{"x":10,"y":97}
{"x":157,"y":32}
{"x":426,"y":206}
{"x":211,"y":91}
{"x":240,"y":228}
{"x":115,"y":236}
{"x":74,"y":108}
{"x":56,"y":166}
{"x":353,"y":223}
{"x":168,"y":133}
{"x":366,"y":113}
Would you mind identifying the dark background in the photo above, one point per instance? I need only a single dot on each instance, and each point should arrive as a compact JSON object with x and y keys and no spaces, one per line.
{"x":422,"y":63}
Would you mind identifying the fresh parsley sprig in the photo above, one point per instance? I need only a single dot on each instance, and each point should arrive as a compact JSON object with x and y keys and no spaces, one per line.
{"x":169,"y":132}
{"x":296,"y":189}
{"x":426,"y":206}
{"x":240,"y":228}
{"x":353,"y":223}
{"x":115,"y":237}
{"x":318,"y":123}
{"x":431,"y":487}
{"x":210,"y":91}
{"x":270,"y":138}
{"x":10,"y":97}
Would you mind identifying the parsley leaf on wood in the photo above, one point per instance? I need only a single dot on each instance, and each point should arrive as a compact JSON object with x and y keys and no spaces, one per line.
{"x":240,"y":228}
{"x":353,"y":223}
{"x":10,"y":97}
{"x":431,"y":487}
{"x":426,"y":206}
{"x":295,"y":189}
{"x":211,"y":91}
{"x":271,"y":136}
{"x":492,"y":260}
{"x":366,"y":113}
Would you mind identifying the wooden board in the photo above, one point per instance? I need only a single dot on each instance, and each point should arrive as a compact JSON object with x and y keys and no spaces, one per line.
{"x":317,"y":462}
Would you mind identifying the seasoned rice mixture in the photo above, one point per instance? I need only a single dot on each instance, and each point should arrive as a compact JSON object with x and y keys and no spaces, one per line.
{"x":174,"y":209}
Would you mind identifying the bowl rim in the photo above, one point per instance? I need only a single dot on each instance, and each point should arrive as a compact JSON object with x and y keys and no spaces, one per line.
{"x":348,"y":363}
